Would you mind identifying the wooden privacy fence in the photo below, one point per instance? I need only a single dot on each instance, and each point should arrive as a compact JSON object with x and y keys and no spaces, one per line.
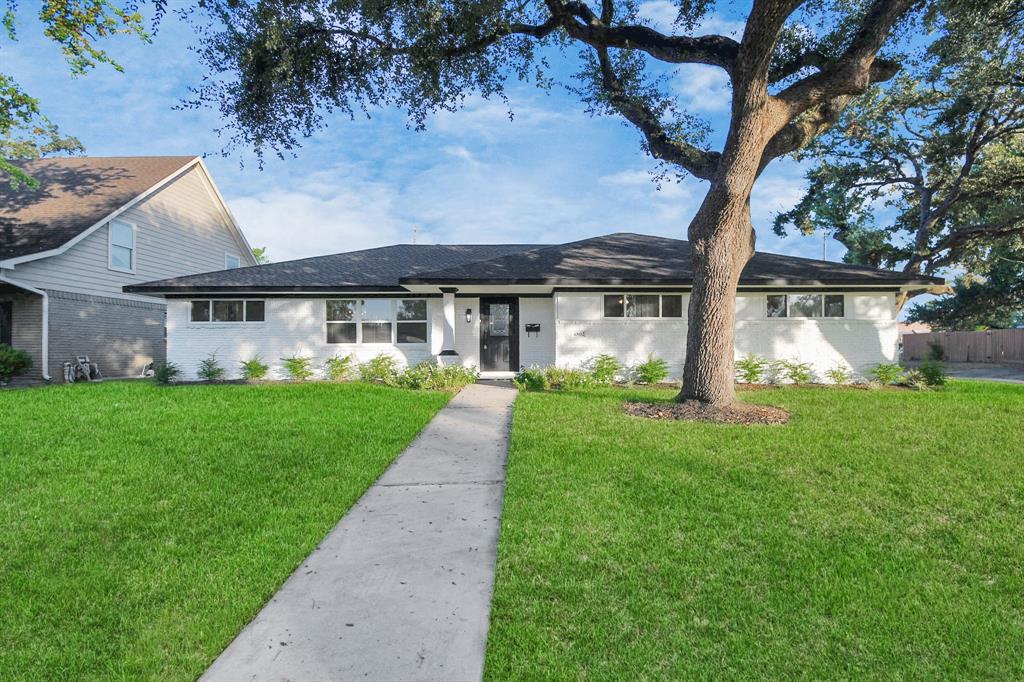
{"x":995,"y":345}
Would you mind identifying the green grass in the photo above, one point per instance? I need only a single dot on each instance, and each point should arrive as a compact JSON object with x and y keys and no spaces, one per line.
{"x":143,"y":527}
{"x":879,"y":534}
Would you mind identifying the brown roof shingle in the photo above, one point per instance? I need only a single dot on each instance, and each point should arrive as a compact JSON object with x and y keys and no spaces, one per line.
{"x":73,"y":194}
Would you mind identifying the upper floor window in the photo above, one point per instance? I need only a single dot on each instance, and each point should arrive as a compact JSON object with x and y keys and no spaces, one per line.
{"x":806,"y":305}
{"x":231,"y":261}
{"x":121,"y":246}
{"x":377,"y":320}
{"x":643,"y":305}
{"x":223,"y":310}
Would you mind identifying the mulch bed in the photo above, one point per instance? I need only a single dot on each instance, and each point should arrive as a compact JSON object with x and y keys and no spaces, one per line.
{"x":693,"y":410}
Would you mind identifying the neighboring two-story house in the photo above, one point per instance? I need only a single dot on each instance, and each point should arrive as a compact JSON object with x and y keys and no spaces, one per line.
{"x":93,"y":226}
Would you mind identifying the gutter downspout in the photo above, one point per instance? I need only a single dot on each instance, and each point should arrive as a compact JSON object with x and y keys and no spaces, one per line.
{"x":45,"y":333}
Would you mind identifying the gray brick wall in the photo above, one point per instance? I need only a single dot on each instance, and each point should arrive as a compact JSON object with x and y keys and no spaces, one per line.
{"x":120,"y":335}
{"x":26,"y":325}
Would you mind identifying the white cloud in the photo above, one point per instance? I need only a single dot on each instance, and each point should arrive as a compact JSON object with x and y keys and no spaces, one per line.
{"x":662,"y":15}
{"x":702,"y":89}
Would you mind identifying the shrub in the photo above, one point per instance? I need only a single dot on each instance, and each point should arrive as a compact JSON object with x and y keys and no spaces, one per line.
{"x":254,"y":369}
{"x":604,"y":369}
{"x":915,"y":379}
{"x":651,"y":371}
{"x":339,"y":368}
{"x":298,"y":367}
{"x":531,"y":379}
{"x":210,"y":369}
{"x":933,"y":373}
{"x":13,"y":362}
{"x":436,"y":377}
{"x":886,"y":373}
{"x":750,"y":369}
{"x":797,"y":372}
{"x":166,"y":373}
{"x":936,"y":352}
{"x":567,"y":378}
{"x":839,"y":375}
{"x":380,"y":369}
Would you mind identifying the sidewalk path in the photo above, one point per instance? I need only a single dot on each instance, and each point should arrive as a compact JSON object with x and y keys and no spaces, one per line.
{"x":400,"y":589}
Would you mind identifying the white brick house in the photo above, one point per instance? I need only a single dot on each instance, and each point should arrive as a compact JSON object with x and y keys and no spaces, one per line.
{"x":503,"y":307}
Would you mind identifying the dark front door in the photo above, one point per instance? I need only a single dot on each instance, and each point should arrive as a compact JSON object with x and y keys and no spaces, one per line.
{"x":6,"y":322}
{"x":499,"y":334}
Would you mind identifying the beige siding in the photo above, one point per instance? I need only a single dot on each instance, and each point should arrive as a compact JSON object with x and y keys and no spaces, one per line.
{"x":180,"y":230}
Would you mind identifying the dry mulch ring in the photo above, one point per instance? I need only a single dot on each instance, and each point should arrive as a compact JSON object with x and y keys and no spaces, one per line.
{"x":693,"y":410}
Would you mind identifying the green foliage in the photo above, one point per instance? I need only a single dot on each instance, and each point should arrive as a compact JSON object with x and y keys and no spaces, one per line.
{"x":260,"y":254}
{"x":166,"y":373}
{"x":531,"y":379}
{"x":751,"y":369}
{"x":936,"y":351}
{"x":338,"y":368}
{"x":797,"y":372}
{"x":298,"y":367}
{"x":210,"y":369}
{"x":380,"y":369}
{"x":437,"y":377}
{"x":914,"y":379}
{"x":567,"y":378}
{"x":13,"y":362}
{"x":605,"y":369}
{"x":775,"y":371}
{"x":839,"y":375}
{"x":933,"y":373}
{"x":651,"y":371}
{"x":254,"y":369}
{"x":887,"y":373}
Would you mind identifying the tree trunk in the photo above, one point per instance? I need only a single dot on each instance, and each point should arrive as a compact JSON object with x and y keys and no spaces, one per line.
{"x":722,"y":241}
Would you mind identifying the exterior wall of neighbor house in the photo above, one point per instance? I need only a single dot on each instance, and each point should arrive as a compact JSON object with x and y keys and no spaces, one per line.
{"x":291,"y":327}
{"x":26,"y":327}
{"x":866,"y":335}
{"x":121,"y":336}
{"x":180,"y":230}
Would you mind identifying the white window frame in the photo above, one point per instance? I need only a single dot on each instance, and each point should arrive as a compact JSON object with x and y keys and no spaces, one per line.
{"x":110,"y":246}
{"x":245,"y":311}
{"x":790,"y":316}
{"x":661,"y":300}
{"x":360,"y":318}
{"x":237,"y":258}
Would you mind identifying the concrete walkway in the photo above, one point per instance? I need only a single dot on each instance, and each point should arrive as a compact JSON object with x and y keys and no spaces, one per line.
{"x":400,"y":589}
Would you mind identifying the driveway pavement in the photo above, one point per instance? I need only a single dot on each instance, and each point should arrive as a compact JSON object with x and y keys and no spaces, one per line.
{"x":400,"y":589}
{"x":992,"y":372}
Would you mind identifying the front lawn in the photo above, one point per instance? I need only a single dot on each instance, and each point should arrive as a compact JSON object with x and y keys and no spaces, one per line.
{"x":144,"y":526}
{"x":878,"y":534}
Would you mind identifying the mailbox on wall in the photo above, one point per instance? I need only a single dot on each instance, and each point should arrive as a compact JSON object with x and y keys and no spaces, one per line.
{"x":532,"y":328}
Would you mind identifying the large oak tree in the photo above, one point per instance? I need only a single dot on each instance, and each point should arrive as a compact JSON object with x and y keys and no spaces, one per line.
{"x":277,"y":67}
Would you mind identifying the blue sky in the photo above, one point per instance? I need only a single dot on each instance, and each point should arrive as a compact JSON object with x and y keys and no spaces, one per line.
{"x":550,"y":174}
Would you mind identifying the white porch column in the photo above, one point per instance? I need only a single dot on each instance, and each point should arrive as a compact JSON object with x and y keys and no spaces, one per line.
{"x":448,"y":337}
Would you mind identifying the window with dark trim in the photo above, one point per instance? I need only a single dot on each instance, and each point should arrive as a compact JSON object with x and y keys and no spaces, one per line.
{"x":227,"y":310}
{"x":411,"y":320}
{"x":806,"y":305}
{"x":377,"y":321}
{"x":644,"y":306}
{"x":342,"y":321}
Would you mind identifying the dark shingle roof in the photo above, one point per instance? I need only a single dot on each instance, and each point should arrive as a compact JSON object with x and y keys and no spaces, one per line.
{"x":370,"y":269}
{"x":620,"y":258}
{"x":73,"y":194}
{"x":626,"y":258}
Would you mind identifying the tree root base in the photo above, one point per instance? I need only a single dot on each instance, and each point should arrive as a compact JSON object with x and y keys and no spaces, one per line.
{"x":694,"y":410}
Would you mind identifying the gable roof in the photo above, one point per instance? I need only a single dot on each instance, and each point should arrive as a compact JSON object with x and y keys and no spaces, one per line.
{"x":620,"y":258}
{"x":73,"y":195}
{"x":379,"y":269}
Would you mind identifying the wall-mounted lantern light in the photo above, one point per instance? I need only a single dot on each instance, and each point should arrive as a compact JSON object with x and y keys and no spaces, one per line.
{"x":469,"y":315}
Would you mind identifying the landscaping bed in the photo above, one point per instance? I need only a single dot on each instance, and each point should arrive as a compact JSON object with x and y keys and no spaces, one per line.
{"x":877,"y":535}
{"x":144,"y":527}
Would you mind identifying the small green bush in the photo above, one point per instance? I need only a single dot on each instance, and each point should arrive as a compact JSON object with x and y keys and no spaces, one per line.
{"x":651,"y":371}
{"x":839,"y":375}
{"x":380,"y":369}
{"x":750,"y":369}
{"x":886,"y":373}
{"x":166,"y":373}
{"x":915,"y":379}
{"x":254,"y":369}
{"x":566,"y":378}
{"x":210,"y":369}
{"x":298,"y":367}
{"x":797,"y":372}
{"x":933,"y":373}
{"x":936,"y":352}
{"x":605,"y":369}
{"x":436,"y":377}
{"x":339,"y":368}
{"x":531,"y":379}
{"x":13,"y":362}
